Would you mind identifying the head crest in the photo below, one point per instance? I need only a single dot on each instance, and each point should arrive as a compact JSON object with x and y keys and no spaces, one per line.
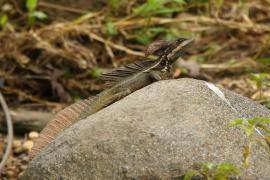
{"x":159,"y":47}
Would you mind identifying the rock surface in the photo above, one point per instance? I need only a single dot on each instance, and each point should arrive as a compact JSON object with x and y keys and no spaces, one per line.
{"x":157,"y":132}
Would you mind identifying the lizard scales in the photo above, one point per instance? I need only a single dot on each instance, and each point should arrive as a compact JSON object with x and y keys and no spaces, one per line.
{"x":124,"y":81}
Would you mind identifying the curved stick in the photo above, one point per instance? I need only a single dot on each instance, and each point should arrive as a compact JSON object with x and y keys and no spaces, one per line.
{"x":10,"y":132}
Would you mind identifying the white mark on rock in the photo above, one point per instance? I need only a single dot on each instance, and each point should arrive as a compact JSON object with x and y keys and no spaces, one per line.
{"x":221,"y":95}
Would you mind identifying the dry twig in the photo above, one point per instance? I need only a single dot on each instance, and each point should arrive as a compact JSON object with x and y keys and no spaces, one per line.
{"x":10,"y":132}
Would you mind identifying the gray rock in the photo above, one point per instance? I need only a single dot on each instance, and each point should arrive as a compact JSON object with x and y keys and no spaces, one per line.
{"x":157,"y":132}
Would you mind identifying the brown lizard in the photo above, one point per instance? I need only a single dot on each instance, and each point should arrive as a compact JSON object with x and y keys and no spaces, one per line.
{"x":123,"y":81}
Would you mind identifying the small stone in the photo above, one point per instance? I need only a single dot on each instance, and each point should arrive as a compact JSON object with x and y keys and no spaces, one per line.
{"x":33,"y":135}
{"x":10,"y":174}
{"x":23,"y":167}
{"x":25,"y":159}
{"x":16,"y":144}
{"x":6,"y":7}
{"x":27,"y":145}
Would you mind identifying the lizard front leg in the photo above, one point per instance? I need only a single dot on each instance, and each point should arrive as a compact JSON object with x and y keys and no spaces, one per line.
{"x":157,"y":76}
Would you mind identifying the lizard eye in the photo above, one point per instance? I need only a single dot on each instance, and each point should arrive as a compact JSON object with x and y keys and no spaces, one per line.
{"x":181,"y":39}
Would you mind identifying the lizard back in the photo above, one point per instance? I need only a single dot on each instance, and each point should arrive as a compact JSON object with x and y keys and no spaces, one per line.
{"x":77,"y":111}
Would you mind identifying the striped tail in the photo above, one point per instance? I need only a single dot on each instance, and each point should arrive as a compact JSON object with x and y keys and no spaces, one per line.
{"x":59,"y":123}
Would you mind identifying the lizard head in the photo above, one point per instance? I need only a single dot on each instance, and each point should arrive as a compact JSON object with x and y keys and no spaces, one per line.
{"x":172,"y":49}
{"x":176,"y":48}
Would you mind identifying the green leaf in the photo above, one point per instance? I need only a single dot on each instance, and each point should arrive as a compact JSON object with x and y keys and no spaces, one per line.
{"x":31,"y":5}
{"x":236,"y":122}
{"x":146,"y":36}
{"x":97,"y":72}
{"x":154,"y":7}
{"x":248,"y":128}
{"x":3,"y":20}
{"x":258,"y":77}
{"x":249,"y":125}
{"x":220,"y":177}
{"x":207,"y":167}
{"x":115,"y":3}
{"x":33,"y":15}
{"x":227,"y":168}
{"x":111,"y":30}
{"x":265,"y":60}
{"x":31,"y":18}
{"x":260,"y":119}
{"x":190,"y":174}
{"x":40,"y":15}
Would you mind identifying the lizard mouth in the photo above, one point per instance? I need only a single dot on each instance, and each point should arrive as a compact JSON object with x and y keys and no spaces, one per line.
{"x":187,"y":42}
{"x":179,"y":49}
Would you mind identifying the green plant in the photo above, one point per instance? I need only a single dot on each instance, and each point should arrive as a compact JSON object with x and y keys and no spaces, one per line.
{"x":34,"y":14}
{"x":145,"y":36}
{"x":267,"y":104}
{"x":3,"y":20}
{"x":211,"y":171}
{"x":110,"y":29}
{"x":260,"y":79}
{"x":97,"y":72}
{"x":264,"y":60}
{"x":114,"y":4}
{"x":157,"y":7}
{"x":251,"y":125}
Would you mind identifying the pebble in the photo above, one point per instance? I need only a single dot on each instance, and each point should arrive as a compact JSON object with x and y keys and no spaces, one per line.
{"x":23,"y":167}
{"x":19,"y":160}
{"x":25,"y":159}
{"x":10,"y":174}
{"x":6,"y":7}
{"x":27,"y":145}
{"x":33,"y":135}
{"x":16,"y":144}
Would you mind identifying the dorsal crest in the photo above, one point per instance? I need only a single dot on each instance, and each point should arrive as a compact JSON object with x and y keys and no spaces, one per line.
{"x":128,"y":70}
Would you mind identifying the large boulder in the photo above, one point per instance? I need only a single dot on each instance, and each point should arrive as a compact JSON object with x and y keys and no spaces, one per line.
{"x":157,"y":132}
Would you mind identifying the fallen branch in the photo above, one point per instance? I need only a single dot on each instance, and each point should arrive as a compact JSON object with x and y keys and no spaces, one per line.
{"x":25,"y":120}
{"x":116,"y":46}
{"x":243,"y":26}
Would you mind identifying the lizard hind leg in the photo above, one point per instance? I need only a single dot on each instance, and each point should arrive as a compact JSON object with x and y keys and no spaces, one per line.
{"x":121,"y":94}
{"x":113,"y":98}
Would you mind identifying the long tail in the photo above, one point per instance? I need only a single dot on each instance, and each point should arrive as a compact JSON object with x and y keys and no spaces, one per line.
{"x":60,"y":122}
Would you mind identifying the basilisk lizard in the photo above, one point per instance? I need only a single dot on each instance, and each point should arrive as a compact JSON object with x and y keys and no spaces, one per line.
{"x":123,"y":81}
